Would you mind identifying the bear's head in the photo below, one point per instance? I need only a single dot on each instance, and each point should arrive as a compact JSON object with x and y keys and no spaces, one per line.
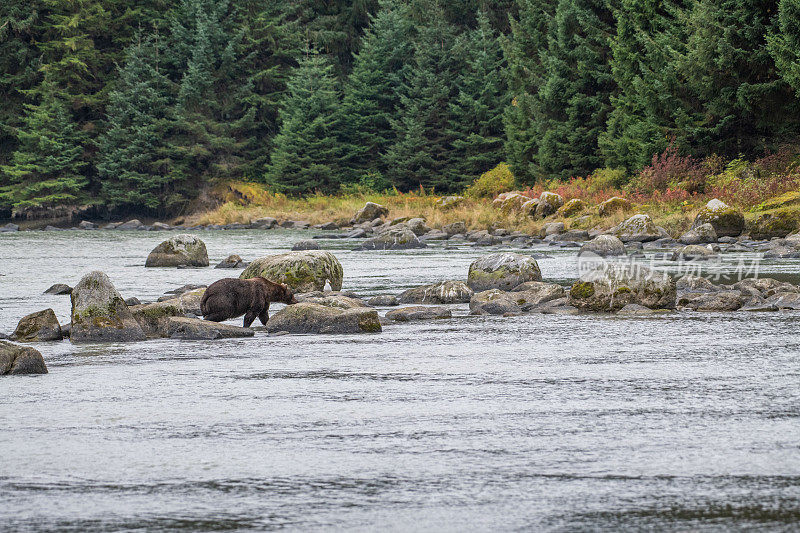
{"x":288,"y":295}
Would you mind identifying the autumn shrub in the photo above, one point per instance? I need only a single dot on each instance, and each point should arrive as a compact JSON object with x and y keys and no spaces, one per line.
{"x":492,"y":182}
{"x":670,"y":170}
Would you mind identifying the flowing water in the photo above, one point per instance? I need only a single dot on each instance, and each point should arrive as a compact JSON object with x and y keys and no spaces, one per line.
{"x":683,"y":421}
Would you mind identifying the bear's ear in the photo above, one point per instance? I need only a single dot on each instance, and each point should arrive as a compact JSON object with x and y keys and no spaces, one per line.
{"x":285,"y":286}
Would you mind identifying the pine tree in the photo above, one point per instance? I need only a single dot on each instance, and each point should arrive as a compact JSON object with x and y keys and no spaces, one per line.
{"x":47,"y":169}
{"x":476,"y":114}
{"x":307,"y":156}
{"x":573,"y":100}
{"x":525,"y":75}
{"x":649,"y":109}
{"x":423,"y":151}
{"x":134,"y":166}
{"x":784,"y":43}
{"x":371,"y":95}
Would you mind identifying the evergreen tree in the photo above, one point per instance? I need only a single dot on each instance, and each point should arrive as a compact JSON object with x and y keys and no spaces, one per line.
{"x":423,"y":151}
{"x":307,"y":156}
{"x":525,"y":75}
{"x":784,"y":43}
{"x":134,"y":167}
{"x":372,"y":93}
{"x":649,"y":109}
{"x":573,"y":101}
{"x":476,"y":114}
{"x":47,"y":169}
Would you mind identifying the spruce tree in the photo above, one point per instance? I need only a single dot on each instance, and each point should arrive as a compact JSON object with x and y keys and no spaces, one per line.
{"x":372,"y":92}
{"x":423,"y":150}
{"x":476,"y":113}
{"x":134,"y":167}
{"x":306,"y":157}
{"x":784,"y":43}
{"x":525,"y":75}
{"x":573,"y":101}
{"x":47,"y":169}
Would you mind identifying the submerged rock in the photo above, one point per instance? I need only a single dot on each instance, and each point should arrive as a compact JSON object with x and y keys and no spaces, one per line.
{"x":383,"y":300}
{"x":444,"y":292}
{"x":180,"y":250}
{"x":196,"y":329}
{"x":502,"y":271}
{"x":305,"y":245}
{"x":307,"y":317}
{"x":726,"y":221}
{"x":99,"y":313}
{"x":38,"y":326}
{"x":407,"y":314}
{"x":612,"y":286}
{"x":304,"y":271}
{"x":18,"y":360}
{"x":154,"y":318}
{"x":395,"y":238}
{"x":59,"y":288}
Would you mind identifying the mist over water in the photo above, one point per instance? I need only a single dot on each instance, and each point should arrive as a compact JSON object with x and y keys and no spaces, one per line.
{"x":682,"y":421}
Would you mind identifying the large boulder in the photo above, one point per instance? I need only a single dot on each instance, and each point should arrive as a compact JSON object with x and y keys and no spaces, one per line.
{"x":337,"y":300}
{"x":502,"y":271}
{"x":418,"y":226}
{"x":726,"y":221}
{"x":693,"y":252}
{"x":154,"y":318}
{"x":614,"y":205}
{"x":303,"y":271}
{"x":395,"y":238}
{"x":307,"y":317}
{"x":19,"y":360}
{"x":99,"y":313}
{"x":180,"y":250}
{"x":702,"y":234}
{"x":444,"y":292}
{"x":572,"y":208}
{"x":779,"y":223}
{"x":370,"y":212}
{"x":511,"y":203}
{"x":549,"y":203}
{"x":525,"y":297}
{"x":38,"y":326}
{"x":604,"y":246}
{"x":456,"y":228}
{"x":611,"y":286}
{"x":232,"y":261}
{"x":196,"y":329}
{"x":407,"y":314}
{"x":722,"y":300}
{"x":638,"y":228}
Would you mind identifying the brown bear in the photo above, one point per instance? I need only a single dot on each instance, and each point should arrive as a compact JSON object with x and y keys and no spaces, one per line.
{"x":234,"y":297}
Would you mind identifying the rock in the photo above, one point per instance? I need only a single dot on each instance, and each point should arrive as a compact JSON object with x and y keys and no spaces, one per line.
{"x":638,"y":228}
{"x":99,"y":313}
{"x":38,"y":326}
{"x":702,"y":234}
{"x":85,"y":224}
{"x":180,"y":250}
{"x":232,"y":261}
{"x":636,"y":310}
{"x":726,"y":221}
{"x":776,"y":224}
{"x":689,"y":283}
{"x":130,"y":225}
{"x":767,"y":287}
{"x":529,"y":207}
{"x":305,"y":245}
{"x":9,"y":228}
{"x":572,"y":208}
{"x":785,"y":300}
{"x":394,"y":238}
{"x":18,"y":360}
{"x":552,"y":228}
{"x":358,"y":233}
{"x":721,"y":300}
{"x":502,"y":271}
{"x":189,"y":301}
{"x":434,"y":235}
{"x":328,"y":226}
{"x":370,"y":212}
{"x":336,"y":300}
{"x":611,"y":286}
{"x":418,"y":226}
{"x":781,"y":252}
{"x":296,"y":224}
{"x":448,"y":202}
{"x":306,"y":317}
{"x":693,"y":252}
{"x":59,"y":288}
{"x":133,"y":300}
{"x":161,"y":226}
{"x":154,"y":318}
{"x":444,"y":292}
{"x":525,"y":297}
{"x":549,"y":203}
{"x":264,"y":223}
{"x":195,"y":329}
{"x":571,"y":235}
{"x":512,"y":202}
{"x":303,"y":271}
{"x":183,"y":289}
{"x":383,"y":300}
{"x":614,"y":205}
{"x":399,"y":220}
{"x":604,"y":246}
{"x":407,"y":314}
{"x":455,"y":228}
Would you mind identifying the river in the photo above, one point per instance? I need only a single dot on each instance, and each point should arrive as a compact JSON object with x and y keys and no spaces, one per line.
{"x":682,"y":421}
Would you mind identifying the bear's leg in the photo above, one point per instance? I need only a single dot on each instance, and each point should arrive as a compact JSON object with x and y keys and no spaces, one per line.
{"x":264,"y":316}
{"x":248,"y":318}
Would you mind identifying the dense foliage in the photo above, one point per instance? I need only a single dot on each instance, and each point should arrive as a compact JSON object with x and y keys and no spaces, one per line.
{"x":120,"y":107}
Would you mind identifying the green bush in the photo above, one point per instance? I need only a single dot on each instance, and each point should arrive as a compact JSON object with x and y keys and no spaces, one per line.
{"x":604,"y":179}
{"x":491,"y":183}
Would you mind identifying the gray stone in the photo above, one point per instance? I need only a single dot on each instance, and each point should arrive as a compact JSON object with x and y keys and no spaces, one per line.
{"x":384,"y":300}
{"x":370,"y":212}
{"x":502,"y":271}
{"x":99,"y":313}
{"x":722,"y":300}
{"x":304,"y":271}
{"x":180,"y":250}
{"x":407,"y":314}
{"x":232,"y":261}
{"x":38,"y":326}
{"x":305,"y":245}
{"x":59,"y":289}
{"x":611,"y":286}
{"x":394,"y":238}
{"x":444,"y":292}
{"x":18,"y":360}
{"x":702,"y":234}
{"x":637,"y":228}
{"x":726,"y":221}
{"x":693,"y":252}
{"x":418,"y":226}
{"x":196,"y":329}
{"x":154,"y":318}
{"x":455,"y":228}
{"x":307,"y":317}
{"x":604,"y":246}
{"x":130,"y":225}
{"x":264,"y":223}
{"x":9,"y":228}
{"x":549,"y":203}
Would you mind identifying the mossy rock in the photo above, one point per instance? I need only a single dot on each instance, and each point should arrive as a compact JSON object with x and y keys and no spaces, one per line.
{"x":307,"y":317}
{"x":612,"y":286}
{"x":304,"y":271}
{"x":638,"y":228}
{"x":99,"y":313}
{"x":38,"y":326}
{"x":784,"y":200}
{"x":778,"y":223}
{"x":370,"y":212}
{"x":444,"y":292}
{"x":398,"y":237}
{"x":180,"y":250}
{"x":549,"y":203}
{"x":726,"y":220}
{"x":154,"y":318}
{"x":20,"y":360}
{"x":502,"y":271}
{"x":614,"y":205}
{"x":449,"y":202}
{"x":572,"y":208}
